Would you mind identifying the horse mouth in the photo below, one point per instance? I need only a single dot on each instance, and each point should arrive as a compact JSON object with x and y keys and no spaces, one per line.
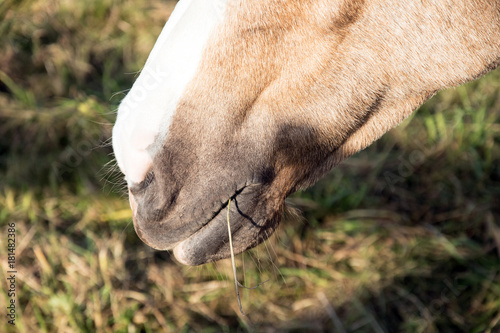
{"x":250,"y":225}
{"x":206,"y":244}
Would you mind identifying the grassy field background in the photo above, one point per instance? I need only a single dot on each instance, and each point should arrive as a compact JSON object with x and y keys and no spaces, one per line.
{"x":402,"y":237}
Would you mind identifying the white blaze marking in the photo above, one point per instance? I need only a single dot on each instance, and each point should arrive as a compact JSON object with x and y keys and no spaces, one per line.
{"x":145,"y":114}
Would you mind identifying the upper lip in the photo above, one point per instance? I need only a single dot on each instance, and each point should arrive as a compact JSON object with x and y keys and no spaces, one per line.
{"x":154,"y":242}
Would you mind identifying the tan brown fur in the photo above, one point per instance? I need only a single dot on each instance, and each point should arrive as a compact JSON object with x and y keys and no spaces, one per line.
{"x":288,"y":89}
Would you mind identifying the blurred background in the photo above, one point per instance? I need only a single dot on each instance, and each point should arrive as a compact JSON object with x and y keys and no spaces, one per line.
{"x":402,"y":237}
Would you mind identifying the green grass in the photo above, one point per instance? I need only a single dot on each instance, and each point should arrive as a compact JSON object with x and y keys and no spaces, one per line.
{"x":402,"y":237}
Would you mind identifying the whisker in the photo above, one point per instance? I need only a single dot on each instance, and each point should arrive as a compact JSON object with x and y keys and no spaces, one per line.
{"x":133,"y":73}
{"x":125,"y":228}
{"x":110,"y":175}
{"x":106,"y":143}
{"x":122,"y":92}
{"x":218,"y":271}
{"x":113,"y":111}
{"x":100,"y":123}
{"x":271,"y":258}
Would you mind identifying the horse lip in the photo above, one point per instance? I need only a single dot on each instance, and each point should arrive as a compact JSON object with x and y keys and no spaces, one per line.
{"x":179,"y":247}
{"x":205,"y":245}
{"x":174,"y":245}
{"x":179,"y":255}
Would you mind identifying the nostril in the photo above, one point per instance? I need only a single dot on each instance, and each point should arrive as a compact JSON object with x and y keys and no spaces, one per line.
{"x":135,"y":188}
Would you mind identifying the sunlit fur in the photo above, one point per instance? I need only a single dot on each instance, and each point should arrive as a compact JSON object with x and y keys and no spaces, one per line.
{"x":285,"y":90}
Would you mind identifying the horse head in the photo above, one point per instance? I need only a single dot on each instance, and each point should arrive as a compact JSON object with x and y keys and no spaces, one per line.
{"x":249,"y":101}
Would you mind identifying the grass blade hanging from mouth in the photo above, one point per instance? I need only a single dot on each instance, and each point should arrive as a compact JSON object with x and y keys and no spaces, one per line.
{"x":236,"y":283}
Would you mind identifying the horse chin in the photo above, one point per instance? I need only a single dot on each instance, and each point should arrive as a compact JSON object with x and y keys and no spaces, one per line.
{"x":211,"y":243}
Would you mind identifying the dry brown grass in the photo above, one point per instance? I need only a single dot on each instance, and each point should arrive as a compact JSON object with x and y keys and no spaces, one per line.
{"x":403,"y":237}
